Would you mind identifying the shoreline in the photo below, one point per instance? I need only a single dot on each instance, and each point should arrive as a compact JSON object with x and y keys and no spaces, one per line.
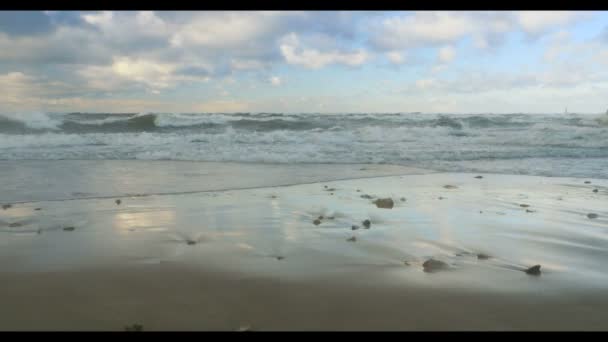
{"x":226,"y":259}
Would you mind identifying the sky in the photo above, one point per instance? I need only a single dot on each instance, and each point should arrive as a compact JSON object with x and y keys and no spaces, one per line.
{"x":295,"y":62}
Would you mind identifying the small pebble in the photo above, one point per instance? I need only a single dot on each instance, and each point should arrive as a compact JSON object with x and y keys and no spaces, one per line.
{"x":280,"y":257}
{"x":352,"y":239}
{"x":358,"y":190}
{"x":367,"y":224}
{"x":406,"y":263}
{"x":68,"y":229}
{"x":482,"y":256}
{"x":587,"y":182}
{"x":6,"y":206}
{"x":316,"y":222}
{"x":38,"y":209}
{"x":433,"y":265}
{"x":366,"y":196}
{"x":354,"y":227}
{"x":191,"y":242}
{"x":450,"y":186}
{"x":440,"y":197}
{"x":595,"y":190}
{"x":402,"y":199}
{"x":479,"y":177}
{"x":534,"y":270}
{"x":118,"y":202}
{"x":15,"y":224}
{"x":325,"y":186}
{"x":592,"y":216}
{"x":524,"y":205}
{"x":320,"y":217}
{"x":529,"y":211}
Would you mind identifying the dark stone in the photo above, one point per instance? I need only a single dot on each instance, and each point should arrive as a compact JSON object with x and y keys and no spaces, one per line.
{"x":68,"y":229}
{"x":524,"y":205}
{"x":280,"y":257}
{"x":352,"y":239}
{"x":15,"y":224}
{"x":317,"y":222}
{"x":440,"y":198}
{"x":354,"y":227}
{"x":482,"y":256}
{"x":367,"y":224}
{"x":402,"y":199}
{"x":7,"y":206}
{"x":325,"y":186}
{"x":385,"y":203}
{"x":450,"y":186}
{"x":479,"y":177}
{"x":331,"y":193}
{"x":330,"y":189}
{"x":38,"y":209}
{"x":595,"y":190}
{"x":406,"y":263}
{"x":433,"y":265}
{"x":534,"y":270}
{"x":592,"y":216}
{"x":587,"y":182}
{"x":118,"y":202}
{"x":358,"y":190}
{"x":320,"y":217}
{"x":529,"y":211}
{"x":191,"y":242}
{"x":367,"y":196}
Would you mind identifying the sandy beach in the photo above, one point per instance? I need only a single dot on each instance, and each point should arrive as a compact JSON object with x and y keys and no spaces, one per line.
{"x":236,"y":247}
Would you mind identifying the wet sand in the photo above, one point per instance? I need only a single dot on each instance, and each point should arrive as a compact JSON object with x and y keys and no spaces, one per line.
{"x":224,"y":260}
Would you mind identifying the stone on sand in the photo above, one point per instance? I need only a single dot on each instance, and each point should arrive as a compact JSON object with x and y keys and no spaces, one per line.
{"x":587,"y":182}
{"x":68,"y":229}
{"x":479,"y":177}
{"x":482,"y":256}
{"x":366,"y":196}
{"x":191,"y":242}
{"x":524,"y":205}
{"x":15,"y":224}
{"x":38,"y":209}
{"x":385,"y":203}
{"x":317,"y":222}
{"x":450,"y":186}
{"x":354,"y":227}
{"x":6,"y":206}
{"x":402,"y":199}
{"x":367,"y":224}
{"x":352,"y":239}
{"x":433,"y":265}
{"x":592,"y":215}
{"x":118,"y":202}
{"x":534,"y":270}
{"x":595,"y":190}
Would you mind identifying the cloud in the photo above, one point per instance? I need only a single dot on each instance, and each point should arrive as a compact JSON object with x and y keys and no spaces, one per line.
{"x":275,"y":81}
{"x":537,"y":22}
{"x":295,"y":53}
{"x":395,"y":57}
{"x":446,"y":54}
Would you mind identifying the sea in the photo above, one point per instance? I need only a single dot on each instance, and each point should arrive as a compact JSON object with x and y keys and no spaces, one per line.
{"x":555,"y":145}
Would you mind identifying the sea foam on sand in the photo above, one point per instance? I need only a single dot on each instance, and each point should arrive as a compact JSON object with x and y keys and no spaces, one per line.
{"x":221,"y":260}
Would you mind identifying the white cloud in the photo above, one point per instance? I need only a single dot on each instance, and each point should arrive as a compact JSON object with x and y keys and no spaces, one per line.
{"x":423,"y":28}
{"x":536,"y":22}
{"x":446,"y":54}
{"x":295,"y":53}
{"x":275,"y":81}
{"x":102,"y":19}
{"x":395,"y":57}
